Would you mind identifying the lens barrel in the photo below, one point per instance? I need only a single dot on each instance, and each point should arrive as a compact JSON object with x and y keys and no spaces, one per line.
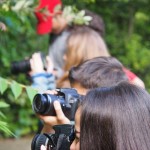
{"x":20,"y":67}
{"x":43,"y":104}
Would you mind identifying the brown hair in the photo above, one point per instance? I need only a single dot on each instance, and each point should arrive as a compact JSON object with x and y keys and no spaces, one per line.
{"x":97,"y":22}
{"x":98,"y":72}
{"x":83,"y":43}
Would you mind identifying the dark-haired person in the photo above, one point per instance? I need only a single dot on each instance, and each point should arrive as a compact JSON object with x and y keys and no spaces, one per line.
{"x":78,"y":50}
{"x":52,"y":21}
{"x":93,"y":73}
{"x":113,"y":118}
{"x":97,"y":72}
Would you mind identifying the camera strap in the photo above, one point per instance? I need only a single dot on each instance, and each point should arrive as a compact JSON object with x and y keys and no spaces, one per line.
{"x":63,"y":143}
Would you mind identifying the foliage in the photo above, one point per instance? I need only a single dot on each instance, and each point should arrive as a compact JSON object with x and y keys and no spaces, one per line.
{"x":3,"y":125}
{"x":127,"y":36}
{"x":16,"y":89}
{"x":17,"y":42}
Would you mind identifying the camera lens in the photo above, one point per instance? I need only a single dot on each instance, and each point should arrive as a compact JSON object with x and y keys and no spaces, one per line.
{"x":20,"y":66}
{"x":40,"y":103}
{"x":43,"y":104}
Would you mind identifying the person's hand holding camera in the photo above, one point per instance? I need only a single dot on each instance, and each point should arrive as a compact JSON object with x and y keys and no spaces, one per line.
{"x":50,"y":121}
{"x":36,"y":64}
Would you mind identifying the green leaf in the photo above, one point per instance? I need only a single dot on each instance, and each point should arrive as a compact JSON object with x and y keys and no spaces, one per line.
{"x":81,"y":13}
{"x":3,"y":104}
{"x":19,"y":5}
{"x":3,"y":85}
{"x":2,"y":115}
{"x":87,"y":18}
{"x":16,"y":89}
{"x":31,"y":92}
{"x":4,"y":128}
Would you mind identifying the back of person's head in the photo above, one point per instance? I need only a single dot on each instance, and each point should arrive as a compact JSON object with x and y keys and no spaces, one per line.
{"x":115,"y":118}
{"x":84,"y":43}
{"x":98,"y":72}
{"x":97,"y":22}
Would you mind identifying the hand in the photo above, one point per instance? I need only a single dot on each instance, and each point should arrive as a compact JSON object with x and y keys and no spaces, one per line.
{"x":50,"y":121}
{"x":36,"y":64}
{"x":43,"y":147}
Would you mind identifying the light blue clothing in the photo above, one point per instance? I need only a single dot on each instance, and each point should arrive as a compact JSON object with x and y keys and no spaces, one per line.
{"x":43,"y":82}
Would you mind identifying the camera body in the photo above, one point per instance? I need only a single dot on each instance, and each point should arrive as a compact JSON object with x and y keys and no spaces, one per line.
{"x":24,"y":66}
{"x":68,"y":98}
{"x":60,"y":140}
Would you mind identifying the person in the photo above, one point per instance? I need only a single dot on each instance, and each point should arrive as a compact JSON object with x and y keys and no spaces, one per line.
{"x":48,"y":15}
{"x":51,"y":19}
{"x":42,"y":78}
{"x":78,"y":52}
{"x":93,"y":73}
{"x":58,"y":46}
{"x":97,"y":72}
{"x":79,"y":49}
{"x":113,"y":118}
{"x":57,"y":24}
{"x":120,"y":119}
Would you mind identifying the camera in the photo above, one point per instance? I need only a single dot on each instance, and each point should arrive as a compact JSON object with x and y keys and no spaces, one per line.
{"x":68,"y":98}
{"x":60,"y":140}
{"x":23,"y":66}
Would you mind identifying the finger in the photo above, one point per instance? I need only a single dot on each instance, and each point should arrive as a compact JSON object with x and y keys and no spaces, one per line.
{"x":61,"y":118}
{"x":59,"y":113}
{"x":54,"y":92}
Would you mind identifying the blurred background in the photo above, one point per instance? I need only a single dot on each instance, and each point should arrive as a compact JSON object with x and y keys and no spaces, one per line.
{"x":127,"y":34}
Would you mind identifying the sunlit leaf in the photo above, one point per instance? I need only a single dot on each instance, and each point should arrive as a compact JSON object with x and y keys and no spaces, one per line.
{"x":31,"y":92}
{"x":19,"y":5}
{"x":2,"y":115}
{"x":3,"y":85}
{"x":3,"y":104}
{"x":4,"y":128}
{"x":16,"y":89}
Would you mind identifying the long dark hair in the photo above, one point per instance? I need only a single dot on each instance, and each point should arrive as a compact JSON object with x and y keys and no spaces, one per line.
{"x":115,"y":118}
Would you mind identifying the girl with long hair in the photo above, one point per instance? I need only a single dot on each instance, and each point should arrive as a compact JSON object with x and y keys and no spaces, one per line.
{"x":113,"y":118}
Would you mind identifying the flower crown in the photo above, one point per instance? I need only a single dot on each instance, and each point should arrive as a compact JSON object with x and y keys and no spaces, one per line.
{"x":74,"y":16}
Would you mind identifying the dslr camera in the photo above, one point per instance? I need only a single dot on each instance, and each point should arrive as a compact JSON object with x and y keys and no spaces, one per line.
{"x":61,"y":140}
{"x":24,"y":66}
{"x":64,"y":134}
{"x":68,"y":98}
